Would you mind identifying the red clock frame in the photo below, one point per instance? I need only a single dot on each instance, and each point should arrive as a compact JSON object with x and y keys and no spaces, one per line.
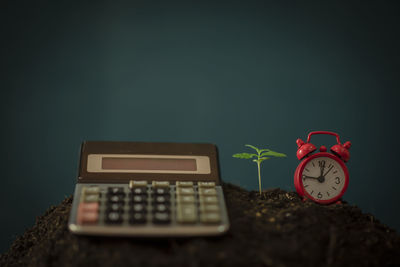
{"x":298,"y":181}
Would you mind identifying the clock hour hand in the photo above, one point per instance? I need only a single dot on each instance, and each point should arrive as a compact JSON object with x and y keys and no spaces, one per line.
{"x":305,"y":176}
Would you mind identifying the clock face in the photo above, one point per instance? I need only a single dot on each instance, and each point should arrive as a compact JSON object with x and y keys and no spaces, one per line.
{"x":323,"y":178}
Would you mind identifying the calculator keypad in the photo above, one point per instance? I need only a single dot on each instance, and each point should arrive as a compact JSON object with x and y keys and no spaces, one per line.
{"x":88,"y":209}
{"x":156,"y":203}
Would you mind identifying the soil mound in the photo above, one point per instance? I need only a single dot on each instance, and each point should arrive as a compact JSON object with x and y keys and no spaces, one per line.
{"x":276,"y":229}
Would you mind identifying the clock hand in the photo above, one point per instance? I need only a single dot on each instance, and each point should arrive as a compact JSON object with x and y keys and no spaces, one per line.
{"x":305,"y":176}
{"x":328,"y":171}
{"x":320,"y":179}
{"x":322,"y":165}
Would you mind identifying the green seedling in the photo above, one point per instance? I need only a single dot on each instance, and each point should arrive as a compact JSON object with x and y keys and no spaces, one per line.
{"x":262,"y":154}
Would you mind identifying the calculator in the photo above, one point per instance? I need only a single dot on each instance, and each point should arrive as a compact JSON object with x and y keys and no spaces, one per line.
{"x":148,"y":190}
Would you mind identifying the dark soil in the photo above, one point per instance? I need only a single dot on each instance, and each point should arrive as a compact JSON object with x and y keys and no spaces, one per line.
{"x":277,"y":229}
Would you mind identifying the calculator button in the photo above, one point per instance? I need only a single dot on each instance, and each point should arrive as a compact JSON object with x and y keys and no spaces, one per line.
{"x":210,"y":217}
{"x":161,"y":191}
{"x":208,"y":200}
{"x":91,"y":198}
{"x":186,"y":214}
{"x":139,"y":198}
{"x":87,"y":217}
{"x":161,"y":208}
{"x":161,"y":199}
{"x":161,"y":217}
{"x":184,"y":184}
{"x":206,"y":184}
{"x":157,"y":184}
{"x":116,"y":190}
{"x":91,"y":190}
{"x":134,"y":184}
{"x":184,"y":191}
{"x":138,"y":208}
{"x":114,"y":217}
{"x":186,"y":199}
{"x":209,"y":208}
{"x":116,"y":207}
{"x":139,"y":191}
{"x":137,"y":218}
{"x":116,"y":198}
{"x":207,"y":192}
{"x":88,"y":207}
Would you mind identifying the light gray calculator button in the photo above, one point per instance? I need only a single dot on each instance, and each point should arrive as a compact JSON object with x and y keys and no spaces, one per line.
{"x":184,"y":191}
{"x":91,"y":190}
{"x":207,"y":191}
{"x":208,"y":199}
{"x":210,"y":217}
{"x":91,"y":198}
{"x":206,"y":184}
{"x":186,"y":199}
{"x":209,"y":208}
{"x":187,"y":214}
{"x":134,"y":183}
{"x":160,"y":184}
{"x":184,"y":184}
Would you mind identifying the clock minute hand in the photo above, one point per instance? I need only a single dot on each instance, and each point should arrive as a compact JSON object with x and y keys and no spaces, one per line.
{"x":328,"y":171}
{"x":322,"y":166}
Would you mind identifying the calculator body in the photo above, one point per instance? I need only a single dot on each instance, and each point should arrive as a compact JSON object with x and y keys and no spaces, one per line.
{"x":148,"y":190}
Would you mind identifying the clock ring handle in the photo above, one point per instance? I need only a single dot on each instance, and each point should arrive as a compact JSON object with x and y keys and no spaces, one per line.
{"x":323,"y":132}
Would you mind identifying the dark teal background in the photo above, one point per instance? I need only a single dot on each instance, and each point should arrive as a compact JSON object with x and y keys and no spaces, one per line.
{"x":229,"y":73}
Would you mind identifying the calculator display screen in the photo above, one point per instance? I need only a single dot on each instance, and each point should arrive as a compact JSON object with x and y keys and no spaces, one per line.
{"x":157,"y":164}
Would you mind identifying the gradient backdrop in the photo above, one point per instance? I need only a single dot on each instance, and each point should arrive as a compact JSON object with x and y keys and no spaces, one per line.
{"x":229,"y":73}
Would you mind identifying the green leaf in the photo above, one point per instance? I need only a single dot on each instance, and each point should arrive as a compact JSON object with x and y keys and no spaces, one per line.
{"x":273,"y":154}
{"x":262,"y":159}
{"x":265,"y":149}
{"x":253,"y":147}
{"x":244,"y":155}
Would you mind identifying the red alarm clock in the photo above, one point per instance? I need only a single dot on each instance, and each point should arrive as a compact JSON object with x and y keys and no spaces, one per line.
{"x":322,"y":177}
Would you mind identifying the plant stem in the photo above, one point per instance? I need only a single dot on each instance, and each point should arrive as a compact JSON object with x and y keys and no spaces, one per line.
{"x":259,"y":175}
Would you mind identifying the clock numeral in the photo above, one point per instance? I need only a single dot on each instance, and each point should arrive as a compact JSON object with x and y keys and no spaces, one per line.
{"x":330,"y":165}
{"x":334,"y":187}
{"x":337,"y":180}
{"x":321,"y":163}
{"x":319,"y":195}
{"x":334,"y":172}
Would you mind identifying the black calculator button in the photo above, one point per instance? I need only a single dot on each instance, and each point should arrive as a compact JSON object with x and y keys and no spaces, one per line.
{"x":114,"y":217}
{"x":139,"y":191}
{"x":138,"y":208}
{"x":116,"y":190}
{"x":161,"y":191}
{"x":161,"y":208}
{"x":139,"y":198}
{"x":115,"y":198}
{"x":137,"y":218}
{"x":161,"y":217}
{"x":116,"y":207}
{"x":162,"y":199}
